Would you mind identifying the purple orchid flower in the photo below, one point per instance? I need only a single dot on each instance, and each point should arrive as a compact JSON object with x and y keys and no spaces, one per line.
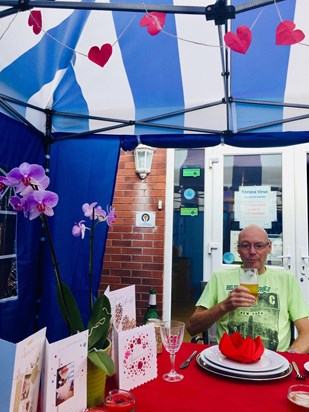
{"x":2,"y":184}
{"x":26,"y":176}
{"x":100,"y":214}
{"x":41,"y":201}
{"x":111,"y":216}
{"x":88,"y":209}
{"x":79,"y":229}
{"x":20,"y":203}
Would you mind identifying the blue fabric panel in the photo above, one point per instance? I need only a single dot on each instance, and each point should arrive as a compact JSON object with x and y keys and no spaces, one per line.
{"x":17,"y":315}
{"x":82,"y":171}
{"x":257,"y":75}
{"x":7,"y":358}
{"x":156,"y":57}
{"x":208,"y":140}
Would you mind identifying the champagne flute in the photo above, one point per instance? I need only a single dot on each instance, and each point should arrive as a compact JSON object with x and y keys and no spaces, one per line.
{"x":172,"y":336}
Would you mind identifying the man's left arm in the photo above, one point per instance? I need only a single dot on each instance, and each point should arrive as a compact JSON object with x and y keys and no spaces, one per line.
{"x":301,"y":343}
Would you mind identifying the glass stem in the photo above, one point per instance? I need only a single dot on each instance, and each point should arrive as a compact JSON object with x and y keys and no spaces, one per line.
{"x":172,"y":358}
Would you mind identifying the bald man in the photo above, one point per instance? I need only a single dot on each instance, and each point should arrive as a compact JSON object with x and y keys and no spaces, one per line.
{"x":233,"y":308}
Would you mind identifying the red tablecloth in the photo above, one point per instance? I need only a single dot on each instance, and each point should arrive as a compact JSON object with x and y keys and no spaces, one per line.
{"x":200,"y":391}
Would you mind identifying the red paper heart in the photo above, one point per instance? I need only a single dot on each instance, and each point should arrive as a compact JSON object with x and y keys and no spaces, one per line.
{"x":239,"y":42}
{"x":35,"y":20}
{"x":286,"y":35}
{"x":155,"y":22}
{"x":102,"y":55}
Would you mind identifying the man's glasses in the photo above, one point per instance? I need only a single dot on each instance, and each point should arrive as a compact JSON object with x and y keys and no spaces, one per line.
{"x":257,"y":245}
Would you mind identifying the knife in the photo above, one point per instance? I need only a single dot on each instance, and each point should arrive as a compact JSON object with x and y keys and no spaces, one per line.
{"x":186,"y":363}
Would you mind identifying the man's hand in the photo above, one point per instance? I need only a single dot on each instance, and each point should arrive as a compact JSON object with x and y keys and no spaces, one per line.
{"x":239,"y":297}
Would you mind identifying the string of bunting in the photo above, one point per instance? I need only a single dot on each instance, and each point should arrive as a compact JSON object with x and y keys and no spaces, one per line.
{"x":286,"y":34}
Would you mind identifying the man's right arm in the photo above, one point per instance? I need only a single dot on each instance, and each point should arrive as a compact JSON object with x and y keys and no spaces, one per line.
{"x":202,"y":318}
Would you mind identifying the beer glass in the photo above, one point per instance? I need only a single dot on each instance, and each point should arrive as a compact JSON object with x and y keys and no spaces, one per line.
{"x":249,"y":278}
{"x":298,"y":398}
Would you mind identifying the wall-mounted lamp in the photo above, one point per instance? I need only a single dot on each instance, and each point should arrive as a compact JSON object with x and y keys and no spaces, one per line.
{"x":143,"y":158}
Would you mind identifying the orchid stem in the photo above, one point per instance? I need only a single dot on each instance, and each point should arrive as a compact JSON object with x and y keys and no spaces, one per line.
{"x":56,"y":270}
{"x":91,"y":260}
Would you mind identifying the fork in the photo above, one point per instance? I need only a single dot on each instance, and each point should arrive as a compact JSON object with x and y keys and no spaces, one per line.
{"x":299,"y":376}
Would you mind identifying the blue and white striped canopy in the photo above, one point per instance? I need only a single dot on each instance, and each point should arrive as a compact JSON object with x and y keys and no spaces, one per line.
{"x":44,"y":65}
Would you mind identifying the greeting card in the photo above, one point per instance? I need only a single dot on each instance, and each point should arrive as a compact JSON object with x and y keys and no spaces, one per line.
{"x":123,"y":307}
{"x":21,"y":366}
{"x":123,"y":314}
{"x":64,"y":376}
{"x":137,"y":356}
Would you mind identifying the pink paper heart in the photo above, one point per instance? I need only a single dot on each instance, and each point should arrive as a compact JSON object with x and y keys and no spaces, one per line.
{"x":239,"y":42}
{"x":155,"y":22}
{"x":35,"y":20}
{"x":102,"y":55}
{"x":286,"y":35}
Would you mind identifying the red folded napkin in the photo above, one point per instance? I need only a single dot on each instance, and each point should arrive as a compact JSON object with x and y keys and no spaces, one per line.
{"x":246,"y":350}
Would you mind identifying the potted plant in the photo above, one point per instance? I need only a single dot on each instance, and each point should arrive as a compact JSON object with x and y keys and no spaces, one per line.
{"x":32,"y":198}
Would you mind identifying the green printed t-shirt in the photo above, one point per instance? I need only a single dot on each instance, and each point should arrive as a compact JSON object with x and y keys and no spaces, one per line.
{"x":280,"y":301}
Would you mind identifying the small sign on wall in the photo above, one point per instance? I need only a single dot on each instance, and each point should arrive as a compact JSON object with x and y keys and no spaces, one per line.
{"x":145,"y":219}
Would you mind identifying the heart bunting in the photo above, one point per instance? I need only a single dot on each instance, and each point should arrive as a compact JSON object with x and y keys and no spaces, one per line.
{"x":35,"y":21}
{"x":101,"y":55}
{"x":240,"y":41}
{"x":286,"y":35}
{"x":155,"y":22}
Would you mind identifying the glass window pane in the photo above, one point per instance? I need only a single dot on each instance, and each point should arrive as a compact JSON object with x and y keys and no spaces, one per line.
{"x":252,"y":194}
{"x":187,"y":267}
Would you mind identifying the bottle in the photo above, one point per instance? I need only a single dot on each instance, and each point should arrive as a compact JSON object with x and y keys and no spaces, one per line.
{"x":151,"y":312}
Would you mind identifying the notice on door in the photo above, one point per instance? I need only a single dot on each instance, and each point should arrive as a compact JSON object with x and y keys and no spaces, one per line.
{"x":255,"y":204}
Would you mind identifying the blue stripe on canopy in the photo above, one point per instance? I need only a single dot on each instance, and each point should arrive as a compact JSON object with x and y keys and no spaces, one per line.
{"x":51,"y":54}
{"x":257,"y":75}
{"x":152,"y":66}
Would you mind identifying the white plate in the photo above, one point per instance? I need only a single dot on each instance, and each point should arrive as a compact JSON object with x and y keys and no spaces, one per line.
{"x":231,"y":374}
{"x":269,"y":361}
{"x":306,"y":366}
{"x":265,"y":374}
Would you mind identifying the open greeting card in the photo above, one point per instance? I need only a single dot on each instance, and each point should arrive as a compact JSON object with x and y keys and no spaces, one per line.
{"x":21,"y":365}
{"x":134,"y":349}
{"x":137,"y":356}
{"x":123,"y":307}
{"x":64,"y":374}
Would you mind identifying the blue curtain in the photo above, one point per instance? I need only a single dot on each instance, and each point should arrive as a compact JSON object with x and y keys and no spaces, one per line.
{"x":81,"y":171}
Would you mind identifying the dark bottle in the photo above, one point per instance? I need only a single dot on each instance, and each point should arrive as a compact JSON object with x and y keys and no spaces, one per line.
{"x":151,"y":312}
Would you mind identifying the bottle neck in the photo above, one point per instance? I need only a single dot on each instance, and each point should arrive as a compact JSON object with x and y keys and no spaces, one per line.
{"x":152,"y":300}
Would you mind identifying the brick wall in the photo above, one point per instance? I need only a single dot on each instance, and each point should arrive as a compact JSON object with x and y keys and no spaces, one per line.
{"x":134,"y":255}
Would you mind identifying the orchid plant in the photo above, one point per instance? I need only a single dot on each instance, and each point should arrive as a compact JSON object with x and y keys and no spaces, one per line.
{"x":32,"y":198}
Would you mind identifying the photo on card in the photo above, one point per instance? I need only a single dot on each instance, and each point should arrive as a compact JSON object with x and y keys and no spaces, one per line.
{"x":65,"y":383}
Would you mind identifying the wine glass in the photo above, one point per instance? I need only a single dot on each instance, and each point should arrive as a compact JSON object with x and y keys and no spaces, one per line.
{"x":172,"y":336}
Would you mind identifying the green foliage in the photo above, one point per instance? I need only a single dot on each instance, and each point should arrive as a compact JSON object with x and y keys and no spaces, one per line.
{"x":99,"y":323}
{"x":102,"y":360}
{"x":98,"y":326}
{"x":71,"y":310}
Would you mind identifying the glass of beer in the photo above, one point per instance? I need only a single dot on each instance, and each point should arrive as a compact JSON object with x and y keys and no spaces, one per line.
{"x":298,"y":398}
{"x":249,"y":278}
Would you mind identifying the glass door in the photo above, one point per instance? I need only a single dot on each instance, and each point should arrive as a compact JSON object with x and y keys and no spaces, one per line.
{"x":301,"y":156}
{"x":263,"y":186}
{"x":216,"y":192}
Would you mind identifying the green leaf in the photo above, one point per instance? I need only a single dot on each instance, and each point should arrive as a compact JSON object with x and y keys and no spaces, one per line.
{"x":102,"y":360}
{"x":99,"y":323}
{"x":73,"y":314}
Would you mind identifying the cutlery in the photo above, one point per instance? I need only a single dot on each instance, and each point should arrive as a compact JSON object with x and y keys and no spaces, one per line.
{"x":299,"y":376}
{"x":186,"y":363}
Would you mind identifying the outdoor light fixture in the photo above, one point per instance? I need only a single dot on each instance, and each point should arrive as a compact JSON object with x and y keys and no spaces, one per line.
{"x":143,"y":158}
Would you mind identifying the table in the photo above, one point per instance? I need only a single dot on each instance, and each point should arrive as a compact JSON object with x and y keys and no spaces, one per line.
{"x":201,"y":391}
